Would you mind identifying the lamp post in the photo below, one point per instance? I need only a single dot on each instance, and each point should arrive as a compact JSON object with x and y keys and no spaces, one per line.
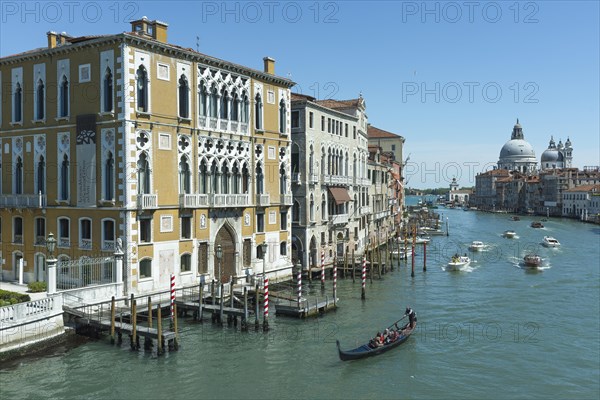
{"x":264,"y":255}
{"x":219,"y":254}
{"x":51,"y":246}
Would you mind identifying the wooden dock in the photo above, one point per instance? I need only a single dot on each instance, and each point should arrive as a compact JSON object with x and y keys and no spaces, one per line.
{"x":306,"y":308}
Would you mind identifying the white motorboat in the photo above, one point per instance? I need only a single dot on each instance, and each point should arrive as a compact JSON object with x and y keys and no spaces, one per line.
{"x":476,"y":246}
{"x":422,"y":240}
{"x":509,"y":234}
{"x":458,"y":262}
{"x":549,"y":241}
{"x":431,"y":231}
{"x":401,"y":253}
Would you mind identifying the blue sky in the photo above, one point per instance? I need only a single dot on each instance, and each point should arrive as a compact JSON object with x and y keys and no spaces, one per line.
{"x":451,"y":77}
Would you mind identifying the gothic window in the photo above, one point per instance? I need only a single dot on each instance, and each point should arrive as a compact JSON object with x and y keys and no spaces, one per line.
{"x":143,"y":167}
{"x":109,"y":177}
{"x":202,"y":181}
{"x":40,"y":100}
{"x":282,"y":180}
{"x":64,"y":178}
{"x":224,"y":104}
{"x":184,"y":97}
{"x":296,"y":211}
{"x":107,"y":87}
{"x":245,"y":105}
{"x":236,"y":179}
{"x":214,"y":174}
{"x":312,"y":208}
{"x":323,"y":208}
{"x":203,"y":101}
{"x":245,"y":179}
{"x":311,"y":158}
{"x":142,"y":89}
{"x":184,"y":176}
{"x":213,"y":102}
{"x":18,"y":104}
{"x":282,"y":116}
{"x":41,"y":175}
{"x":225,"y":179}
{"x":19,"y":176}
{"x":258,"y":106}
{"x":259,"y":179}
{"x":235,"y":107}
{"x":63,"y":91}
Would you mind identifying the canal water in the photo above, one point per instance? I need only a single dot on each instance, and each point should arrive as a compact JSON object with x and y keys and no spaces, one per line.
{"x":497,"y":330}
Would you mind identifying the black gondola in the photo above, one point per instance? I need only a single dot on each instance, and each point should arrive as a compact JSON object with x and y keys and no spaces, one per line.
{"x":365,"y":350}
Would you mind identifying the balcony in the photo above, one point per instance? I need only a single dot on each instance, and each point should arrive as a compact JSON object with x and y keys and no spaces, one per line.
{"x":338,"y":219}
{"x":364,"y":182}
{"x":85,"y":244}
{"x":229,"y":200}
{"x":263,"y":200}
{"x":286,"y":199}
{"x":365,"y":210}
{"x":23,"y":200}
{"x":212,"y":123}
{"x":18,"y":239}
{"x":108,"y":245}
{"x":381,"y":214}
{"x":296,"y":178}
{"x":147,"y":201}
{"x":224,"y":125}
{"x":313,"y":178}
{"x":193,"y":200}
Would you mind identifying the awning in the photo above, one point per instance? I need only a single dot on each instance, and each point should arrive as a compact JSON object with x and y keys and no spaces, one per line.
{"x":340,"y":195}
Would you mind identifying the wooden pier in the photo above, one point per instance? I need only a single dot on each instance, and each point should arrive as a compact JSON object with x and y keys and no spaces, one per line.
{"x":306,"y":307}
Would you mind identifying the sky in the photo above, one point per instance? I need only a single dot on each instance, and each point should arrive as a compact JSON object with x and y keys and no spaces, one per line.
{"x":450,"y":77}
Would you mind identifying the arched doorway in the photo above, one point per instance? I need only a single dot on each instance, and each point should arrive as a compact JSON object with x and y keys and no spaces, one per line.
{"x":313,"y":252}
{"x":225,"y":238}
{"x":297,"y":250}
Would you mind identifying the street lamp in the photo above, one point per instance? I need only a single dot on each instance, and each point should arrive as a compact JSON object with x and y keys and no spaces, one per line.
{"x":219,"y":254}
{"x":264,"y":255}
{"x":51,"y":246}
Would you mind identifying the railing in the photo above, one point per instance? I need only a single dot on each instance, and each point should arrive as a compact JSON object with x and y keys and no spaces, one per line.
{"x":108,"y":245}
{"x":224,"y":124}
{"x":64,"y":242}
{"x":202,"y":121}
{"x":313,"y":178}
{"x":234,"y":125}
{"x":230,"y":200}
{"x":365,"y":210}
{"x":286,"y":199}
{"x":40,"y":241}
{"x":19,"y":313}
{"x":147,"y":201}
{"x":87,"y":272}
{"x":339,"y":219}
{"x":381,"y":214}
{"x":263,"y":200}
{"x":18,"y":239}
{"x":212,"y":123}
{"x":365,"y":182}
{"x":244,"y":127}
{"x":193,"y":200}
{"x":23,"y":200}
{"x":85,"y":244}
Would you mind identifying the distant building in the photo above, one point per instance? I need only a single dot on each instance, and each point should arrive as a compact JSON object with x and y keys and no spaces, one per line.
{"x":557,"y":157}
{"x":388,"y":142}
{"x":456,"y":195}
{"x":581,"y":202}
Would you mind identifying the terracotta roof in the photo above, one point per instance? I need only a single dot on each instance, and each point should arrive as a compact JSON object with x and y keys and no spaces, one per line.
{"x":302,"y":97}
{"x":499,"y":172}
{"x":337,"y":104}
{"x":584,"y":188}
{"x":376,"y":133}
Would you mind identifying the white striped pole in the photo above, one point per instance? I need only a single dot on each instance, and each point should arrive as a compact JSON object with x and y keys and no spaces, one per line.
{"x":172,"y":295}
{"x":299,"y":286}
{"x":322,"y":269}
{"x":364,"y":276}
{"x":266,"y":306}
{"x":335,"y":283}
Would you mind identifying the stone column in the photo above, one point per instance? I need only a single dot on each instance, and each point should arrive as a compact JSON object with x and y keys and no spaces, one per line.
{"x":118,"y":254}
{"x":51,"y":275}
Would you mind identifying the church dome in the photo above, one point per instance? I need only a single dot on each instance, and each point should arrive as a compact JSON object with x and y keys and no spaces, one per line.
{"x":517,"y":149}
{"x":552,"y":156}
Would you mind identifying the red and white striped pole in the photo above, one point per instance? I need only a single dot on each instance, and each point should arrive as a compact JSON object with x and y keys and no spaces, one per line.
{"x":364,"y":276}
{"x":335,"y":283}
{"x":266,"y":306}
{"x":172,"y":295}
{"x":299,"y":286}
{"x":322,"y":269}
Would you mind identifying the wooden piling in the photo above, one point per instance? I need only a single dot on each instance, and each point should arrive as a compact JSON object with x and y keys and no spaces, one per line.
{"x":256,"y":322}
{"x":346,"y":264}
{"x":379,"y":266}
{"x":212,"y":292}
{"x":134,"y":324}
{"x":353,"y":265}
{"x":112,"y":320}
{"x":200,"y":301}
{"x":424,"y":256}
{"x":175,"y":325}
{"x":159,"y":348}
{"x":221,"y":305}
{"x":245,"y":321}
{"x":149,"y":312}
{"x":371,"y":265}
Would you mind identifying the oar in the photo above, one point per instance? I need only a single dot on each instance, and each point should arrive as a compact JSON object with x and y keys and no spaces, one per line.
{"x":389,"y":327}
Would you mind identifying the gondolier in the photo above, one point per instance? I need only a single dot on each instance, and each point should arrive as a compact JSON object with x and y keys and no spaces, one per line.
{"x":412,"y":317}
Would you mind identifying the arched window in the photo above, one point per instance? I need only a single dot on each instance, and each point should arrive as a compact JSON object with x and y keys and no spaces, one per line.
{"x":64,"y":178}
{"x":107,"y":86}
{"x":282,"y":116}
{"x":184,"y":97}
{"x":41,"y":175}
{"x":282,"y":180}
{"x":64,"y":97}
{"x":142,"y":89}
{"x":40,"y":95}
{"x":202,"y":181}
{"x":245,"y":178}
{"x":225,"y":175}
{"x":18,"y":103}
{"x":312,"y":208}
{"x":213,"y":102}
{"x":354,"y":171}
{"x":143,"y":167}
{"x":19,"y":176}
{"x":235,"y":107}
{"x":109,"y":177}
{"x":259,"y":179}
{"x":245,"y":108}
{"x":224,"y":104}
{"x":203,"y":101}
{"x":258,"y":106}
{"x":283,"y":248}
{"x":323,"y":162}
{"x":311,"y":160}
{"x":323,"y":208}
{"x":237,"y":177}
{"x":296,"y":211}
{"x":184,"y":176}
{"x":185,"y":262}
{"x":214,"y":173}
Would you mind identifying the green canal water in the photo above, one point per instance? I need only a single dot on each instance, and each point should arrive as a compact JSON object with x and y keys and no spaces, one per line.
{"x":497,"y":331}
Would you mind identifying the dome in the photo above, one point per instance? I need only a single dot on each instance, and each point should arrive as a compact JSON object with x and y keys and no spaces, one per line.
{"x":552,"y":156}
{"x":517,"y":149}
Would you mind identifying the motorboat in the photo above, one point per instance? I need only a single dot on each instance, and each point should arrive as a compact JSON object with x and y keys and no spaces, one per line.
{"x":401,"y":253}
{"x":515,"y":218}
{"x":537,"y":224}
{"x":549,"y":241}
{"x":458,"y":262}
{"x":476,"y":246}
{"x":422,"y":240}
{"x":509,"y":234}
{"x":532,"y":260}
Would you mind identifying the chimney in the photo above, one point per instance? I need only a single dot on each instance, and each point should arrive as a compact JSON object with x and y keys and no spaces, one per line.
{"x":269,"y":65}
{"x":52,"y":39}
{"x":155,"y":29}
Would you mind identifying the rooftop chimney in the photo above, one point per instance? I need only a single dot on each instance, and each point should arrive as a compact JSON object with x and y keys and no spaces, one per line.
{"x":57,"y":39}
{"x":269,"y":65}
{"x":154,"y":29}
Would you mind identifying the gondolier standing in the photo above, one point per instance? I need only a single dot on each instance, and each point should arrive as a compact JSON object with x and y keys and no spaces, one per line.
{"x":412,"y":317}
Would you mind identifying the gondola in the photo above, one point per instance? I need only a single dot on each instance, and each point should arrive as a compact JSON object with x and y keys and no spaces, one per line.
{"x":365,"y":350}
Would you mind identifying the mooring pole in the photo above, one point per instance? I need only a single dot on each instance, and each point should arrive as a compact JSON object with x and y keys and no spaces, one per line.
{"x":159,"y":343}
{"x":424,"y":256}
{"x":149,"y":312}
{"x":112,"y":320}
{"x":364,"y":276}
